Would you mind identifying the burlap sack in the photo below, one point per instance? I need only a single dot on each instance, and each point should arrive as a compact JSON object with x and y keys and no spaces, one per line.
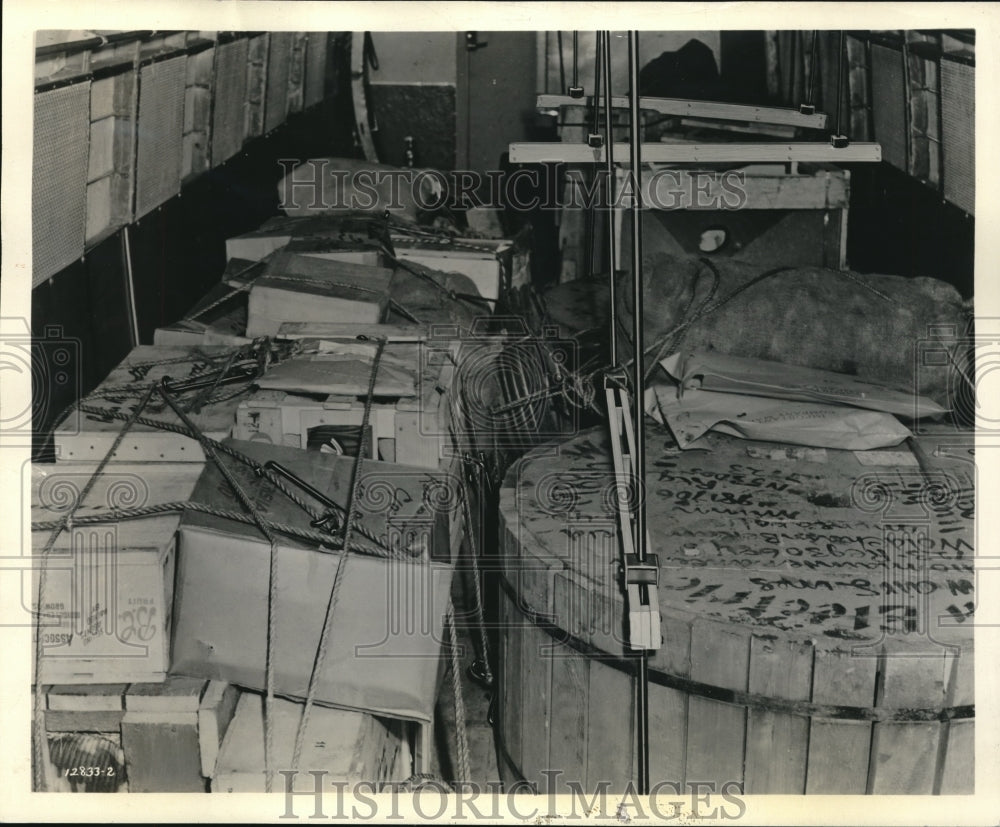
{"x":880,"y":328}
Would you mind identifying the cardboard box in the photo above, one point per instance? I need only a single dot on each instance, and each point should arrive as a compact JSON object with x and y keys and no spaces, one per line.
{"x":109,"y":587}
{"x":495,"y":266}
{"x":388,"y":623}
{"x":352,"y":235}
{"x":297,"y":287}
{"x":84,"y":437}
{"x":412,"y":429}
{"x":347,"y":746}
{"x":219,"y":318}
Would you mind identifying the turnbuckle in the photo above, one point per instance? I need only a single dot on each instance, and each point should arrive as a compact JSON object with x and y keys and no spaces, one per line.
{"x":329,"y":521}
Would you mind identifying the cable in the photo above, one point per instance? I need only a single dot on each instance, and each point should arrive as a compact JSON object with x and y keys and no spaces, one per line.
{"x":639,"y":460}
{"x":609,"y":158}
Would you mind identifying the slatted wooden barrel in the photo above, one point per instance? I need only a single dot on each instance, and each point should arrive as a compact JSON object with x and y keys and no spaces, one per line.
{"x":816,"y":611}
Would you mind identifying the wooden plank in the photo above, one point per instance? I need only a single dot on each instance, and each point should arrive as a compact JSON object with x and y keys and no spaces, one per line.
{"x":659,"y":153}
{"x":838,"y":750}
{"x":905,"y":755}
{"x":175,"y":694}
{"x":610,"y":729}
{"x":218,"y":705}
{"x":162,"y":755}
{"x":668,"y":708}
{"x":536,"y":703}
{"x":511,"y":698}
{"x":716,"y":731}
{"x":777,"y":743}
{"x":699,"y":109}
{"x":568,"y":745}
{"x":903,"y":758}
{"x":83,"y":721}
{"x":107,"y":697}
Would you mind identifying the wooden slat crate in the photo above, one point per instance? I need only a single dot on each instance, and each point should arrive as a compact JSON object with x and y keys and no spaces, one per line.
{"x":109,"y":586}
{"x":84,"y":437}
{"x":815,"y":615}
{"x":143,"y":737}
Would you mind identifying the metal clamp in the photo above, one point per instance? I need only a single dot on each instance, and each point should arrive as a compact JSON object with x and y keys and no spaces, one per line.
{"x":329,"y":521}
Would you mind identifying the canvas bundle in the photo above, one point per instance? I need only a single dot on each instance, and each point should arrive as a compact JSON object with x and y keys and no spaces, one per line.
{"x":875,"y":327}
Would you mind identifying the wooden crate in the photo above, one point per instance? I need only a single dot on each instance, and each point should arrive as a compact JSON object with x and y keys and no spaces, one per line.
{"x":82,"y":727}
{"x":171,"y":732}
{"x":345,"y":745}
{"x":154,"y":737}
{"x":109,"y":586}
{"x":410,"y":430}
{"x":771,"y":215}
{"x":84,"y":437}
{"x":815,"y":614}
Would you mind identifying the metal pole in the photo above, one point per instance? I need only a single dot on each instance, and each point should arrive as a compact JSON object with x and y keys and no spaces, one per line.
{"x":638,"y":376}
{"x":609,"y":153}
{"x":576,"y":60}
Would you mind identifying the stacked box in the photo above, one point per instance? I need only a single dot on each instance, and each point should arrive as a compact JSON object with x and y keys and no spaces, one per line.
{"x":496,"y":266}
{"x":345,"y":745}
{"x":143,"y":737}
{"x":108,"y":586}
{"x":384,"y":648}
{"x":296,"y":287}
{"x":87,"y":437}
{"x":353,"y":237}
{"x":413,"y":429}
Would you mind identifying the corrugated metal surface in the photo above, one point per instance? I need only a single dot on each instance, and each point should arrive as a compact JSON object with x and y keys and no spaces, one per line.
{"x":315,"y":67}
{"x":889,"y":104}
{"x":230,"y":100}
{"x":256,"y":82}
{"x":160,"y":136}
{"x":296,"y":72}
{"x":276,"y":106}
{"x":958,"y":106}
{"x":59,"y":183}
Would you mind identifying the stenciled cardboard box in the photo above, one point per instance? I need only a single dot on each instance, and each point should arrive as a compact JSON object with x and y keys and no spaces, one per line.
{"x":387,"y":630}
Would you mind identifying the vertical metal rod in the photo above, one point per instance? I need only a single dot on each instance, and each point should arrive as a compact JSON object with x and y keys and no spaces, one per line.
{"x":576,"y":59}
{"x":840,"y":81}
{"x":133,"y":313}
{"x":638,"y":374}
{"x":595,"y":173}
{"x":609,"y":155}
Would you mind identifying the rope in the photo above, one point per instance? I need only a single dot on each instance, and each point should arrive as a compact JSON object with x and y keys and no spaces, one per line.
{"x":41,"y":743}
{"x":259,"y":521}
{"x":338,"y":578}
{"x":180,"y":506}
{"x":476,"y":585}
{"x":451,"y":294}
{"x":811,"y":92}
{"x":257,"y":467}
{"x":461,"y":736}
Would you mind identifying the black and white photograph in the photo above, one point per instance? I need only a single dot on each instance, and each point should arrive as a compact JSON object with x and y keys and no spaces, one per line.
{"x":409,"y":421}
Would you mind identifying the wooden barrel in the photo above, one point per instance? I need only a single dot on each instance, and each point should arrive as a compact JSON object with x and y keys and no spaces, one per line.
{"x":816,"y":611}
